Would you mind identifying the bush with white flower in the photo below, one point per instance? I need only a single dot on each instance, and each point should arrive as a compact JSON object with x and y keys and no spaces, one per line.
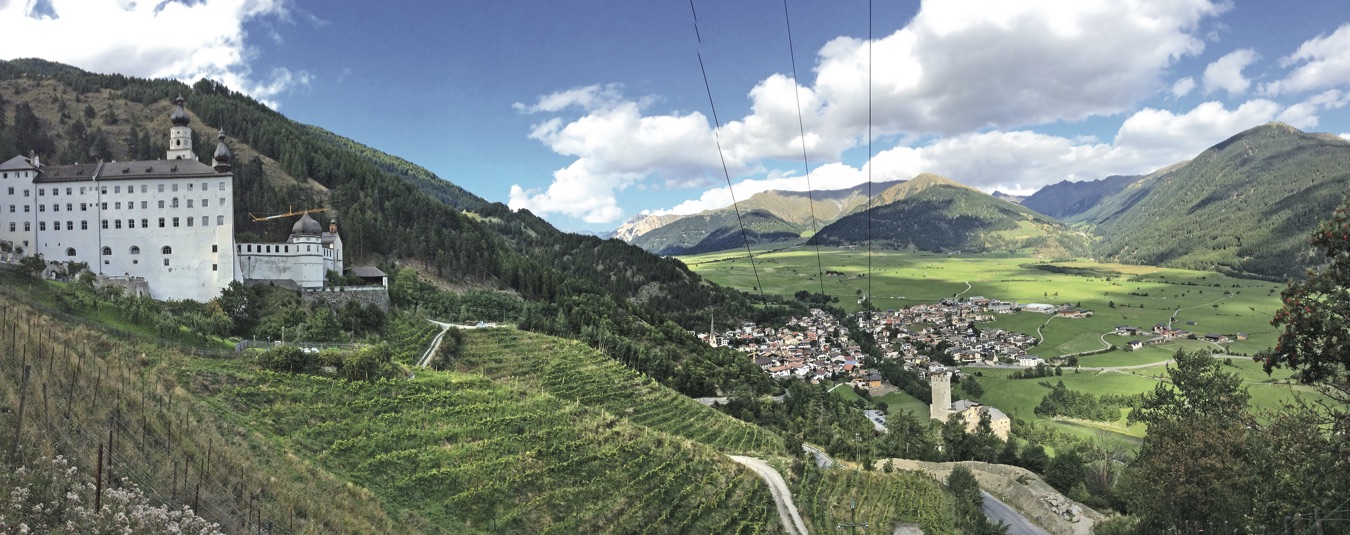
{"x":52,"y":496}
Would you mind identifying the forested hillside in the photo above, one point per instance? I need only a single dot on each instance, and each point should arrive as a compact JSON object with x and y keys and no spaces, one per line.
{"x":391,"y":213}
{"x":1244,"y":206}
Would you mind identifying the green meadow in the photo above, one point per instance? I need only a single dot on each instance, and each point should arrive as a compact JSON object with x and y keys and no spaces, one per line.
{"x":1118,"y":294}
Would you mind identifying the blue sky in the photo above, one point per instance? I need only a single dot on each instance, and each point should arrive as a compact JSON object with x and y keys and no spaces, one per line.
{"x":590,"y":112}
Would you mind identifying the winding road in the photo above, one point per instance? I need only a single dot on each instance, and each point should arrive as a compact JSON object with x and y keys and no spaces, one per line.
{"x":782,"y":495}
{"x":997,"y":511}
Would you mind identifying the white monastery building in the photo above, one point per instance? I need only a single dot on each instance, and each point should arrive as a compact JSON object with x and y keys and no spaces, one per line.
{"x":168,"y":223}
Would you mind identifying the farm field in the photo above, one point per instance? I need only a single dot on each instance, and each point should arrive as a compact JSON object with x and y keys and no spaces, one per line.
{"x":1119,"y":294}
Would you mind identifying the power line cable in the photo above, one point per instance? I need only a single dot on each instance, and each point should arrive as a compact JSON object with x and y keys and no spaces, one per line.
{"x":801,"y":128}
{"x":717,"y":127}
{"x":869,"y":151}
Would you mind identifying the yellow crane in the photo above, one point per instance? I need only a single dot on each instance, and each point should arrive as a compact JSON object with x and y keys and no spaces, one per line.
{"x":288,"y":214}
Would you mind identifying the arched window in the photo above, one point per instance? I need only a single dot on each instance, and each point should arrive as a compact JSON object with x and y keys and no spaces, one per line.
{"x":70,"y":251}
{"x":107,"y":251}
{"x":166,"y":250}
{"x":174,"y":204}
{"x":135,"y":250}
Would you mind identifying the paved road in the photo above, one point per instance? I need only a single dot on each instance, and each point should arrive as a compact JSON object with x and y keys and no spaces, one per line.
{"x":782,"y":496}
{"x":998,"y":511}
{"x":822,"y":459}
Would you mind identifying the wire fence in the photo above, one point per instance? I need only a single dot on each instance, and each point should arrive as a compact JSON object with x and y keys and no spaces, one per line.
{"x":92,"y":402}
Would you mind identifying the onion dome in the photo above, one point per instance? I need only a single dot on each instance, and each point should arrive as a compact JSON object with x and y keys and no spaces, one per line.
{"x":306,"y":226}
{"x":180,"y":116}
{"x":222,"y":156}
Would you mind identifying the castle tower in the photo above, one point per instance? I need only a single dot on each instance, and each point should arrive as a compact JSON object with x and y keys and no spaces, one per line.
{"x":941,"y":406}
{"x":180,"y":136}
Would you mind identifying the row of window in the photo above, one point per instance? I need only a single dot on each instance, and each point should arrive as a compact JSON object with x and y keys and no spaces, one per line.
{"x":248,"y":248}
{"x":70,"y":207}
{"x":145,"y":188}
{"x":115,"y":189}
{"x":117,"y":223}
{"x":107,"y":251}
{"x":17,"y":174}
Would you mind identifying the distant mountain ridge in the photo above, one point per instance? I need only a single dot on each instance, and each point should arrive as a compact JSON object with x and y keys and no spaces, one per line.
{"x":1067,"y":199}
{"x":933,"y":213}
{"x":769,"y":216}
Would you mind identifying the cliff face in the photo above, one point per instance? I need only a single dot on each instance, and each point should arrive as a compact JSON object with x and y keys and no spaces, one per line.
{"x":641,"y":224}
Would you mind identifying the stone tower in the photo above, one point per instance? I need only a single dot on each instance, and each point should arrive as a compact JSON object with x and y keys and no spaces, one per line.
{"x":180,"y":136}
{"x":941,"y":406}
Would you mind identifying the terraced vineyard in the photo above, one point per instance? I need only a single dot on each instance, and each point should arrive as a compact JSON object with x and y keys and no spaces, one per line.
{"x":452,"y":452}
{"x":823,"y":497}
{"x":573,"y":371}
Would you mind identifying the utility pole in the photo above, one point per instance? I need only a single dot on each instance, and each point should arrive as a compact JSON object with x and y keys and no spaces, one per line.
{"x":853,"y":524}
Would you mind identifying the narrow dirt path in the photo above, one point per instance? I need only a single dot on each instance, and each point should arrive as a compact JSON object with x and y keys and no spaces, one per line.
{"x":782,"y":495}
{"x":435,"y":343}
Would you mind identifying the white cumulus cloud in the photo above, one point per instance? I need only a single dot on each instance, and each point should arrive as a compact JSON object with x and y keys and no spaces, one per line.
{"x":168,"y":39}
{"x":957,"y":67}
{"x":1226,"y":72}
{"x":1183,"y":87}
{"x":1319,"y":63}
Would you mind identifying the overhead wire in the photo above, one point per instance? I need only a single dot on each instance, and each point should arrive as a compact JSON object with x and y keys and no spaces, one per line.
{"x":869,"y":151}
{"x":717,"y":127}
{"x":806,"y":165}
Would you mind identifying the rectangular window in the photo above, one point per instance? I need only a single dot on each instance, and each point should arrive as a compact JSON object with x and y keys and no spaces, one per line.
{"x":222,"y":186}
{"x":42,"y":225}
{"x":117,"y":189}
{"x":70,"y":225}
{"x":68,"y":190}
{"x":213,"y":267}
{"x":105,"y":223}
{"x":145,"y":223}
{"x":161,"y":222}
{"x":25,"y":193}
{"x":117,"y":223}
{"x":222,"y":202}
{"x":25,"y":208}
{"x":189,"y":221}
{"x":42,"y":191}
{"x":189,"y":203}
{"x":42,"y":208}
{"x":161,"y":203}
{"x":84,"y":206}
{"x":84,"y":225}
{"x":206,"y":220}
{"x":27,"y":227}
{"x":56,"y":207}
{"x":213,"y":247}
{"x":70,"y":207}
{"x":56,"y":192}
{"x":166,"y":262}
{"x":81,"y":190}
{"x":203,"y":186}
{"x":143,"y":188}
{"x":161,"y":188}
{"x":175,"y":222}
{"x":189,"y":187}
{"x":103,"y":206}
{"x":220,"y":220}
{"x":143,"y":205}
{"x":205,"y":203}
{"x":103,"y":190}
{"x":117,"y":205}
{"x":175,"y":202}
{"x":175,"y":187}
{"x":131,"y":223}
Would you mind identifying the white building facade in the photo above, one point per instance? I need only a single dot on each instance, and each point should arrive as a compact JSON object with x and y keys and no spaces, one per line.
{"x":169,"y":222}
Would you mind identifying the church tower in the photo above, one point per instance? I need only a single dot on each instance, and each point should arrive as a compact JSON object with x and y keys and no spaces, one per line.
{"x":941,"y":406}
{"x":180,"y":136}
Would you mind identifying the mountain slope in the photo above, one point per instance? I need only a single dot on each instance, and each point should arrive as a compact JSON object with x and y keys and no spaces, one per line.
{"x":1244,"y":206}
{"x":391,"y":213}
{"x":768,"y":216}
{"x":1067,"y":199}
{"x":932,"y":213}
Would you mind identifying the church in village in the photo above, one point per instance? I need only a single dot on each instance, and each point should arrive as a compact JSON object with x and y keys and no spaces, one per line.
{"x":162,"y":227}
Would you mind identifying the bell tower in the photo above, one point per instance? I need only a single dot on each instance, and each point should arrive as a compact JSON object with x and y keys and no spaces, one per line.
{"x":180,"y":136}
